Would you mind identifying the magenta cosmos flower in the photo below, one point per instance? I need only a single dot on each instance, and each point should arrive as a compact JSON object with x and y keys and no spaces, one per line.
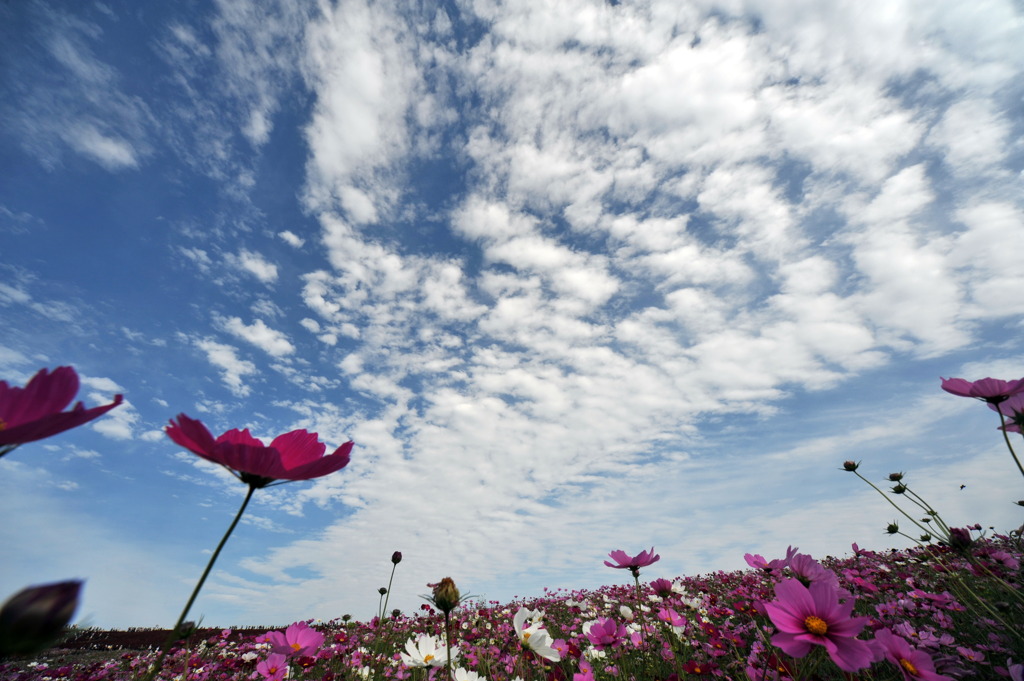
{"x":623,"y":560}
{"x":991,"y":390}
{"x":297,"y":455}
{"x":813,"y":615}
{"x":606,"y":633}
{"x":915,"y":665}
{"x":37,"y":410}
{"x":274,"y":668}
{"x":298,"y":639}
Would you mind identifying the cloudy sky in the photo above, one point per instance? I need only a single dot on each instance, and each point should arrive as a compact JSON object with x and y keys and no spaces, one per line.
{"x":575,"y":276}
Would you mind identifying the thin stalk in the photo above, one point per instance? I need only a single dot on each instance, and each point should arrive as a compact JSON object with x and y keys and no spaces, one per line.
{"x":1006,"y":437}
{"x":894,"y":504}
{"x":448,"y":645}
{"x":385,"y":609}
{"x":174,"y":635}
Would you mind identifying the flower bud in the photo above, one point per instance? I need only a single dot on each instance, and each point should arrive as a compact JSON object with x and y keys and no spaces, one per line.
{"x":960,"y":538}
{"x":926,"y":537}
{"x":396,"y":557}
{"x":895,"y":477}
{"x":850,"y":465}
{"x":892,"y":528}
{"x":383,"y":590}
{"x":34,"y":618}
{"x":899,"y":489}
{"x":446,"y":595}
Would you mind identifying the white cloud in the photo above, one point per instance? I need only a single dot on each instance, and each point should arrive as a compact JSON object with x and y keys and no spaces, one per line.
{"x":118,"y":423}
{"x":198,"y":257}
{"x":974,"y":137}
{"x":255,"y":264}
{"x":233,"y":369}
{"x":73,"y":100}
{"x":109,"y":152}
{"x":269,"y":340}
{"x":107,"y":385}
{"x":11,"y":294}
{"x":291,"y":239}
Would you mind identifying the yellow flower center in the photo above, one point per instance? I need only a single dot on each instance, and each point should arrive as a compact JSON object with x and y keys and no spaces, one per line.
{"x":295,"y":646}
{"x":815,"y":625}
{"x":3,"y":424}
{"x":526,"y":636}
{"x":911,"y":669}
{"x":427,"y":659}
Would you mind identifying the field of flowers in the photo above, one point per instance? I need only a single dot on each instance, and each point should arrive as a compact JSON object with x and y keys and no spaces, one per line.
{"x":951,"y":608}
{"x":928,"y":613}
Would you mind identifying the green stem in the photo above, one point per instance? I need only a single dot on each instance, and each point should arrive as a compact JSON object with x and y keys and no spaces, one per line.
{"x":894,"y":504}
{"x":640,"y":608}
{"x":175,"y":632}
{"x":388,"y":596}
{"x":448,"y":645}
{"x":1006,"y":437}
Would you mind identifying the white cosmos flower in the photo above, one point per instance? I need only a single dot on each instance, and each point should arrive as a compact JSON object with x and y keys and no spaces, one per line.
{"x":426,"y":651}
{"x":523,"y":614}
{"x":532,"y":634}
{"x":466,"y":675}
{"x":539,"y":642}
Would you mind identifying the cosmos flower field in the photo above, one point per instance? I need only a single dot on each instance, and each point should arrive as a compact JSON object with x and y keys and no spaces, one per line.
{"x":710,"y":626}
{"x":950,"y":608}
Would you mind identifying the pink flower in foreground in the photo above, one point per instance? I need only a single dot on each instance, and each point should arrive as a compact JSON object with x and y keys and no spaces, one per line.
{"x":34,"y":618}
{"x":297,"y":639}
{"x":297,"y":455}
{"x":813,"y":615}
{"x":913,"y":664}
{"x":37,"y":410}
{"x":671,"y":617}
{"x":991,"y":390}
{"x":623,"y":560}
{"x":606,"y":633}
{"x":1013,"y":409}
{"x":274,"y":668}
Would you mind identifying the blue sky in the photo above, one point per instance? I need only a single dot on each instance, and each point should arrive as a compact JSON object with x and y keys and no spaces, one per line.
{"x":574,"y":276}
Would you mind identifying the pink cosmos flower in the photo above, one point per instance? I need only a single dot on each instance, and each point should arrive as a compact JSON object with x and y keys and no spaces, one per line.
{"x":808,"y":570}
{"x":991,"y":390}
{"x":623,"y":560}
{"x":758,"y":562}
{"x":297,"y":455}
{"x":606,"y":633}
{"x":274,"y":668}
{"x":37,"y":410}
{"x":662,"y":587}
{"x":297,"y":639}
{"x":671,"y":617}
{"x":1013,"y":409}
{"x":915,"y":665}
{"x":813,"y":615}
